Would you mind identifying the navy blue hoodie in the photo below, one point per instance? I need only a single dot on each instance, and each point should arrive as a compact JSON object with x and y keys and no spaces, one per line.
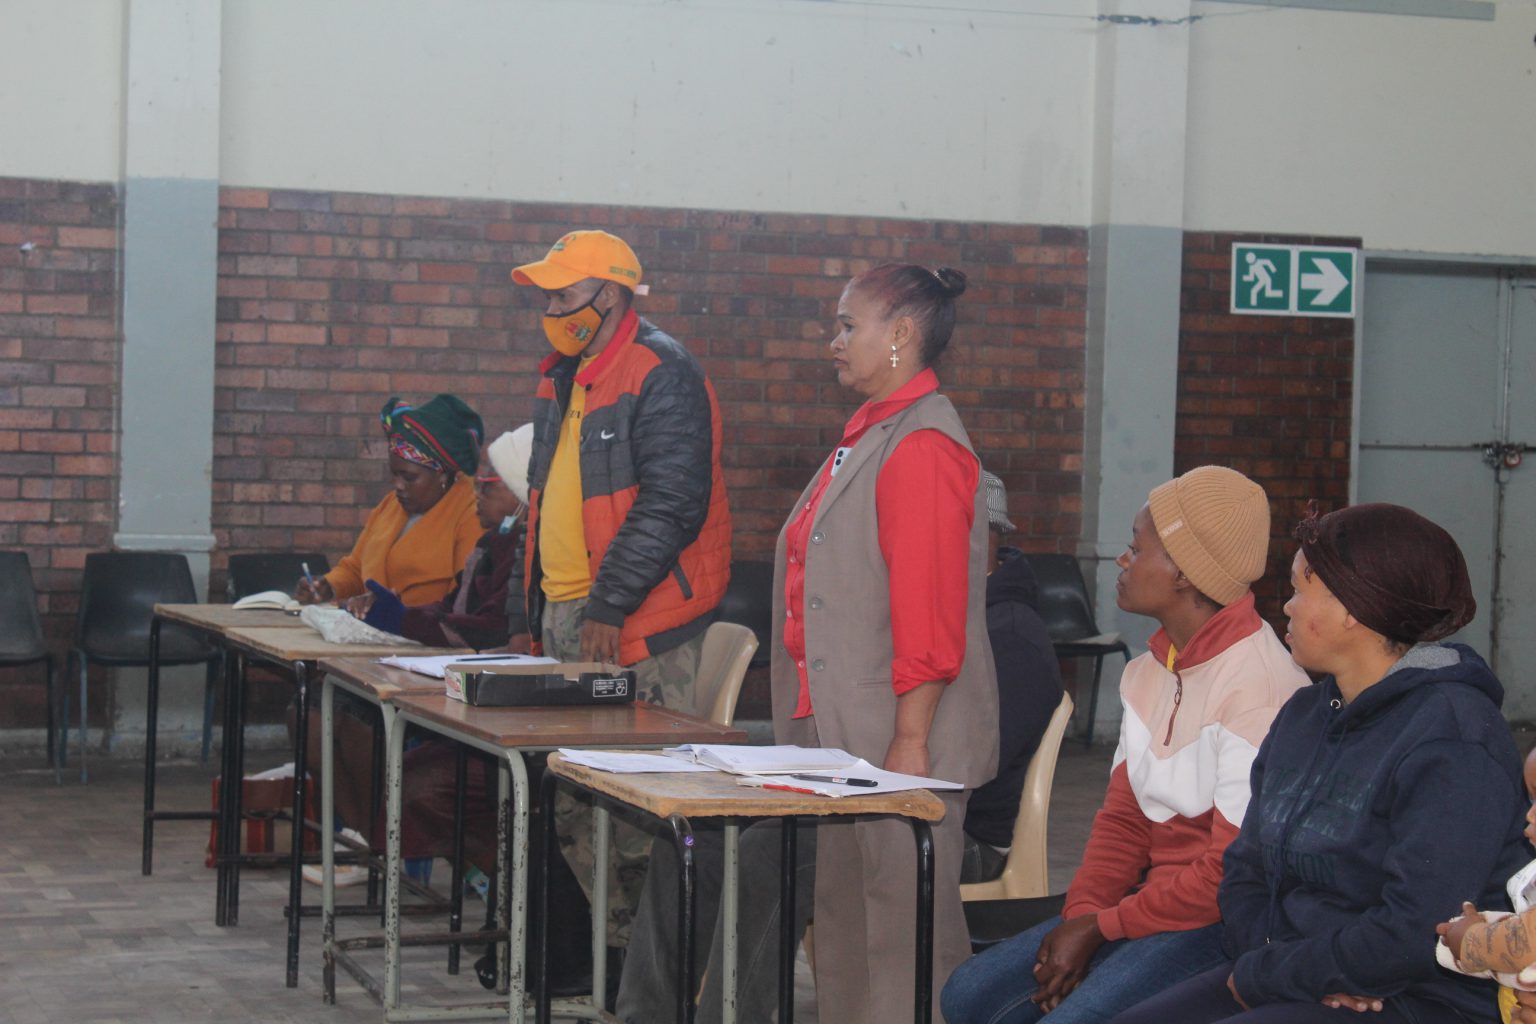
{"x":1371,"y":822}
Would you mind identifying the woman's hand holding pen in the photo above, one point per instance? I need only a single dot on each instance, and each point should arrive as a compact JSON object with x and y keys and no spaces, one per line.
{"x":313,"y":591}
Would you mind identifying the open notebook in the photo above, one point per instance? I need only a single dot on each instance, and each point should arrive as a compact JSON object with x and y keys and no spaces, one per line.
{"x":274,"y":600}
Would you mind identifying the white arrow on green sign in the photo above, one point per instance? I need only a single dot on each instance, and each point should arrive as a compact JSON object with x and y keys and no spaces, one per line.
{"x":1293,"y":280}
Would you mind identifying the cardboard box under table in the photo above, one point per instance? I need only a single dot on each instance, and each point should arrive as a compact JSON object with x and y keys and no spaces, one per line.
{"x":298,"y":651}
{"x":509,"y":734}
{"x":675,"y":798}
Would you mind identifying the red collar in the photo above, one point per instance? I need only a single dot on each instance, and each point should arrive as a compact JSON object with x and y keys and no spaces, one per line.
{"x":629,"y":327}
{"x":872,"y":412}
{"x":1235,"y":622}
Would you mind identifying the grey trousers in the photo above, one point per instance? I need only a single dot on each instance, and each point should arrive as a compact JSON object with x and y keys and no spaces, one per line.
{"x":648,"y":989}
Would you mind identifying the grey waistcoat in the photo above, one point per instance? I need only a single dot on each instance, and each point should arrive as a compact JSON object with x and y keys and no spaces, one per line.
{"x":848,"y":619}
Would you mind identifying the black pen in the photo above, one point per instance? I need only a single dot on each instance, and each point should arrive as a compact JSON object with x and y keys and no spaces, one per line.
{"x":488,"y":657}
{"x":838,"y":779}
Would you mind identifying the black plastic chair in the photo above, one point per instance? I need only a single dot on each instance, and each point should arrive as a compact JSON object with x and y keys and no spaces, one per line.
{"x":270,"y":570}
{"x":117,"y":602}
{"x":1068,"y":616}
{"x":21,"y":630}
{"x":748,"y":602}
{"x":991,"y":921}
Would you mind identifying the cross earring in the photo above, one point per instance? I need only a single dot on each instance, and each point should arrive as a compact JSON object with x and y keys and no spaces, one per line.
{"x":895,"y":359}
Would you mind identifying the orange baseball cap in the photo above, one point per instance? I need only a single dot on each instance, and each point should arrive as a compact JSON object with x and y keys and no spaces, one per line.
{"x":580,"y":255}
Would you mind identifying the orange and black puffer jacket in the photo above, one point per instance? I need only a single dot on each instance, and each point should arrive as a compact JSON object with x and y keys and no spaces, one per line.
{"x":658,"y":529}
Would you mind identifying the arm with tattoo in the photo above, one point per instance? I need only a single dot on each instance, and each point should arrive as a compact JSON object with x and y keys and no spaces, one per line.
{"x":1506,"y":945}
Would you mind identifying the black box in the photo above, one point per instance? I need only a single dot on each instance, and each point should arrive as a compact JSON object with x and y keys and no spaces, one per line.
{"x":569,"y":683}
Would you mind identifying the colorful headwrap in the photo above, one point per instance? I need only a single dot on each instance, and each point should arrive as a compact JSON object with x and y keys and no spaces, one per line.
{"x":1395,"y":571}
{"x":442,"y":434}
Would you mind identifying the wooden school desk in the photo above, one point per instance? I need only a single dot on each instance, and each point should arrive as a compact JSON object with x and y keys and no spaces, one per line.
{"x":509,"y":734}
{"x":299,"y":651}
{"x":674,"y":798}
{"x":215,"y":620}
{"x":378,"y":685}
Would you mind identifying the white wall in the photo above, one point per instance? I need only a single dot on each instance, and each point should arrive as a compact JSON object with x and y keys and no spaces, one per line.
{"x":1411,"y":133}
{"x":773,"y":105}
{"x":61,"y":70}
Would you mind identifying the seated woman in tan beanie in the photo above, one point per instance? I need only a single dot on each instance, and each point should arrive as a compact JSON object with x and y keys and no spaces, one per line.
{"x":1141,"y":912}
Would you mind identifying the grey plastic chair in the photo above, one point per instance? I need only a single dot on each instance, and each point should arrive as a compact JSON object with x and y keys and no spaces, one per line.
{"x":117,"y":603}
{"x":21,"y":631}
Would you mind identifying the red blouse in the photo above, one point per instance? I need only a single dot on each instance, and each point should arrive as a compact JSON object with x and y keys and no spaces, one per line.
{"x":924,"y":507}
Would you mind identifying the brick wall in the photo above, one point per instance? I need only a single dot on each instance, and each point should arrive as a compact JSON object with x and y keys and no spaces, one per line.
{"x":59,"y":359}
{"x":1268,"y":396}
{"x":331,"y":302}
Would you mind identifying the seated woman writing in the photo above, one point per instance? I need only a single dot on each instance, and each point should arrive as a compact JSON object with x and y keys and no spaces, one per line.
{"x":485,"y":607}
{"x":1385,"y":795}
{"x":413,"y":544}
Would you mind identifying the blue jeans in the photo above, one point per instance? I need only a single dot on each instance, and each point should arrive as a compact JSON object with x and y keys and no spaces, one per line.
{"x":1205,"y":999}
{"x":994,"y":987}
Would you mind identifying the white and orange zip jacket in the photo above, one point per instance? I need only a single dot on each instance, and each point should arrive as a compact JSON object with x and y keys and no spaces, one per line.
{"x":1191,"y":725}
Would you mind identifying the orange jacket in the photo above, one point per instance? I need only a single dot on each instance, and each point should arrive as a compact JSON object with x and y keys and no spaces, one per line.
{"x":420,"y":566}
{"x":658,"y":530}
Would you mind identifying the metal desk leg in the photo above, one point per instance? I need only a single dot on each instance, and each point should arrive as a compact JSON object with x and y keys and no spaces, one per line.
{"x":549,"y":850}
{"x":151,"y":728}
{"x":301,"y":671}
{"x":221,"y":872}
{"x":513,"y":885}
{"x":328,"y":839}
{"x":923,"y":1008}
{"x":682,"y":836}
{"x":788,"y":863}
{"x":227,"y":904}
{"x":394,"y":746}
{"x":456,"y":877}
{"x":729,"y":908}
{"x":375,"y":804}
{"x":504,"y":855}
{"x":602,"y":833}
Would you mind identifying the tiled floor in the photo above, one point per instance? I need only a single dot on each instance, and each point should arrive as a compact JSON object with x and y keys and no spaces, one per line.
{"x":85,"y":938}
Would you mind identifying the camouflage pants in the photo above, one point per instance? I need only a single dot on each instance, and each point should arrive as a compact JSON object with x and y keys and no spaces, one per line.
{"x":666,"y":679}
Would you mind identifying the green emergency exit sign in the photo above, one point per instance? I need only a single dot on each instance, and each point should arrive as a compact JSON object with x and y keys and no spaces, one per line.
{"x":1294,"y":280}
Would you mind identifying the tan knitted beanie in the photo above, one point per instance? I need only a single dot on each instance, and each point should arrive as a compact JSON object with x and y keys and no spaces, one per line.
{"x":1214,"y":524}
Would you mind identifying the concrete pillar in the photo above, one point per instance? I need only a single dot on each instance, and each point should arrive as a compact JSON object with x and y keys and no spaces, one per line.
{"x":170,"y":175}
{"x":1135,"y":252}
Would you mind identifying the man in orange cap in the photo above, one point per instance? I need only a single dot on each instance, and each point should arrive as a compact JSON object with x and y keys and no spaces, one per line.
{"x":629,"y":534}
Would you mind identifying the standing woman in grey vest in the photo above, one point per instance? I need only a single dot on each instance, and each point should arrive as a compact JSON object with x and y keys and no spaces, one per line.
{"x":880,"y":643}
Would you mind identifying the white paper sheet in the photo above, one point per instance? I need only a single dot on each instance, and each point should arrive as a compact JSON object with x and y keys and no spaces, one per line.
{"x":885,"y":782}
{"x":623,"y":763}
{"x":742,"y":760}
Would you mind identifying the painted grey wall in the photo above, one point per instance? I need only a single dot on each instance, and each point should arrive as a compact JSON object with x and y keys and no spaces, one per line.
{"x":1132,"y":358}
{"x":170,"y":214}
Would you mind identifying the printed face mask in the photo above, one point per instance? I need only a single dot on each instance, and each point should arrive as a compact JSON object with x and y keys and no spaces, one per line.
{"x":572,"y":332}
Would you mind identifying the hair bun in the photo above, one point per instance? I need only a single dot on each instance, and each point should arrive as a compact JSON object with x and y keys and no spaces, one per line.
{"x":952,"y":280}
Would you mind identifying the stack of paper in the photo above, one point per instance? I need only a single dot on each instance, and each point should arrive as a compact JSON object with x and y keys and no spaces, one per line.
{"x":780,"y":760}
{"x":821,"y":771}
{"x":626,"y":763}
{"x":433,"y":665}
